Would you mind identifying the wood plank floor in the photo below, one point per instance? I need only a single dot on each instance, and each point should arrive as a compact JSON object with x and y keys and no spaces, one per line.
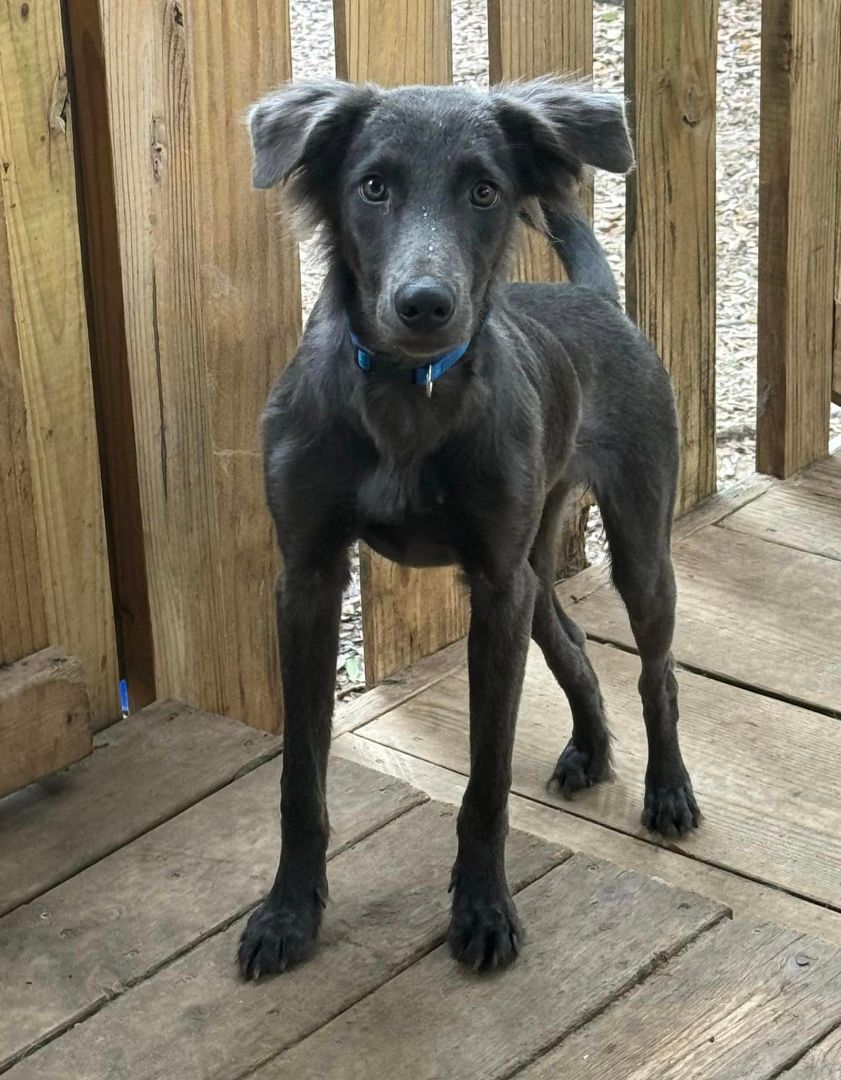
{"x":125,"y":881}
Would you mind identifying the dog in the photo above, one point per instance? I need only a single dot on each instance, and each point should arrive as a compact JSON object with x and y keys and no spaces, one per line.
{"x":443,"y":416}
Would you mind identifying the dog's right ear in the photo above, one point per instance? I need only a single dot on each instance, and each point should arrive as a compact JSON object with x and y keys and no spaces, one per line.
{"x":292,"y":125}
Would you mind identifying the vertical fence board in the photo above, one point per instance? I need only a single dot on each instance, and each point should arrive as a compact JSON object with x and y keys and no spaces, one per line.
{"x":670,"y":73}
{"x":527,"y":38}
{"x":836,"y":331}
{"x":211,"y":310}
{"x":406,"y":613}
{"x":45,"y":298}
{"x":251,"y":308}
{"x":798,"y":193}
{"x":109,"y":352}
{"x":23,"y":624}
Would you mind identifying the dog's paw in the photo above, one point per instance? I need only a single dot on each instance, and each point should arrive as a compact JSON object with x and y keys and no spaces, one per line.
{"x":671,"y":809}
{"x":275,"y":938}
{"x":485,"y":932}
{"x":578,"y":769}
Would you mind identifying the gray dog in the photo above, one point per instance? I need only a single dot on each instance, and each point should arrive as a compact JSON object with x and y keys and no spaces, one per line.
{"x":443,"y":416}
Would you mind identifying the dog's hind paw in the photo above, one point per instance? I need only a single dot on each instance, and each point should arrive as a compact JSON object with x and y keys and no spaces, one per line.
{"x":485,"y":933}
{"x":275,"y":938}
{"x":671,"y":809}
{"x":578,"y":769}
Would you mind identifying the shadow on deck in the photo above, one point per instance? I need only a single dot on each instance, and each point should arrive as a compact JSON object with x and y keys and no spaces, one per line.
{"x":126,"y":880}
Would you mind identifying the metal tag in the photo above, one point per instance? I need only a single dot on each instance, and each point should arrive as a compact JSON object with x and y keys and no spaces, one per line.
{"x":429,"y":380}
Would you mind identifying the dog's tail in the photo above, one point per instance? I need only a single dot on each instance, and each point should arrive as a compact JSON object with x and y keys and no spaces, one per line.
{"x":572,"y":237}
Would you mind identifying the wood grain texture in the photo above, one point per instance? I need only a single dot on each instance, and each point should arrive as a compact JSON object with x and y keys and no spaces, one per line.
{"x":793,"y":517}
{"x":823,"y":1062}
{"x":45,"y":717}
{"x":161,"y":895}
{"x":743,"y":1001}
{"x":143,"y":771}
{"x":594,"y":931}
{"x":406,"y":613}
{"x":211,"y":300}
{"x":100,"y":237}
{"x":23,"y":623}
{"x":824,"y":478}
{"x":798,"y":192}
{"x":757,"y":613}
{"x":670,"y":72}
{"x":561,"y":824}
{"x":527,"y":38}
{"x":42,"y":269}
{"x":393,"y":42}
{"x":769,"y":813}
{"x":195,"y":1019}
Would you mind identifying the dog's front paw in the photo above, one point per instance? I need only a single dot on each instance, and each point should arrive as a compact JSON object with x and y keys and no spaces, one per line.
{"x":276,"y":937}
{"x":670,"y":808}
{"x":485,"y":931}
{"x":578,"y":769}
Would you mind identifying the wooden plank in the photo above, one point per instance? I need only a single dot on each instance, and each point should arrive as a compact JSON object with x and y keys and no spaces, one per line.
{"x":595,"y":931}
{"x":768,"y":812}
{"x":399,"y":687}
{"x":23,"y":625}
{"x":749,"y":611}
{"x":196,"y":1018}
{"x":716,"y":507}
{"x":211,"y":297}
{"x":670,"y":72}
{"x":743,"y":1001}
{"x":406,"y":614}
{"x":823,"y":1062}
{"x":109,"y":352}
{"x":45,"y":718}
{"x":748,"y":899}
{"x":393,"y":44}
{"x":527,"y":38}
{"x":823,"y":478}
{"x":161,"y":895}
{"x":143,"y":770}
{"x":251,"y":320}
{"x":800,"y":101}
{"x":795,"y":518}
{"x":46,"y":296}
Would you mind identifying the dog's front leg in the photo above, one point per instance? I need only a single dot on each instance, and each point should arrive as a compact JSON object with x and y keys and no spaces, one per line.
{"x":283,"y":930}
{"x":484,"y":930}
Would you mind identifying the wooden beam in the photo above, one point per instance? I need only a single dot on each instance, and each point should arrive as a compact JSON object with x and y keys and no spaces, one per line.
{"x":44,"y":295}
{"x":109,"y":353}
{"x":670,"y":72}
{"x":23,"y":624}
{"x":210,"y":294}
{"x":406,"y":614}
{"x":45,"y":720}
{"x":527,"y":38}
{"x":798,"y":207}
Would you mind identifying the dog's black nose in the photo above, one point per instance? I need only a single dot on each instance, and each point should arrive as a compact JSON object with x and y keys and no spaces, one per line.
{"x":425,"y":304}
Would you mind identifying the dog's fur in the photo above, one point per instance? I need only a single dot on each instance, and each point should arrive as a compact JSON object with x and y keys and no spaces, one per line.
{"x":557,"y":389}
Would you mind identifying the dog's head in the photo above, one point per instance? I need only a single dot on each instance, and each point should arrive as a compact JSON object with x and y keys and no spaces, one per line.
{"x":420,"y":189}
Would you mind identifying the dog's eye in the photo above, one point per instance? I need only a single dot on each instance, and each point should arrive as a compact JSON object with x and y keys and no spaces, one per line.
{"x":484,"y":194}
{"x":373,"y":189}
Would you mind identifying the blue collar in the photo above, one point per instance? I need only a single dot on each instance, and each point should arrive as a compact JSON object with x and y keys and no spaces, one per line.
{"x":425,"y":375}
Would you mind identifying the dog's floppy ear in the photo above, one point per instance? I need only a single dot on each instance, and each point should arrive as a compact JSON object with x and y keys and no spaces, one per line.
{"x":556,"y":125}
{"x":290,"y":124}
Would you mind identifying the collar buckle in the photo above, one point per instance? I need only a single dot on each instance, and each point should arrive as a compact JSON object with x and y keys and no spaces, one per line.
{"x":428,"y":382}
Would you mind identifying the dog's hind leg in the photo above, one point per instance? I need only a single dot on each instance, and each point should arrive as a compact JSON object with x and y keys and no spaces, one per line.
{"x":586,"y":758}
{"x":637,"y":520}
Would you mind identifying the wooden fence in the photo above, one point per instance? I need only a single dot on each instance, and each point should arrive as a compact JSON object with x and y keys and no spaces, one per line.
{"x":148,"y":302}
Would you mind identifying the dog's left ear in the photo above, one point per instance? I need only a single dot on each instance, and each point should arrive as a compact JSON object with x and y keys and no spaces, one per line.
{"x":561,"y":126}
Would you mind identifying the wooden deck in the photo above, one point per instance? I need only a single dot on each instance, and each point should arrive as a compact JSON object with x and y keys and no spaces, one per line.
{"x":125,"y":881}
